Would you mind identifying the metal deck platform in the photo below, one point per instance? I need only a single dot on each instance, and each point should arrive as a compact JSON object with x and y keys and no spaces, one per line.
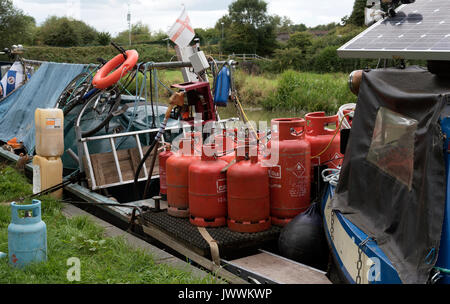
{"x":229,"y":242}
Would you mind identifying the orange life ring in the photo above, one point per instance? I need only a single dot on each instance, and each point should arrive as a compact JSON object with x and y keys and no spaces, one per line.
{"x":104,"y":78}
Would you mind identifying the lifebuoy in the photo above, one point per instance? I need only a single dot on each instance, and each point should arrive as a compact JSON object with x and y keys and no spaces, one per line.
{"x":104,"y":78}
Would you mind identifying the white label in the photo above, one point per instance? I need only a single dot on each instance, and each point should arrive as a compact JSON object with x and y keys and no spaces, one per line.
{"x":275,"y":172}
{"x":36,"y":179}
{"x":221,"y":185}
{"x":53,"y":123}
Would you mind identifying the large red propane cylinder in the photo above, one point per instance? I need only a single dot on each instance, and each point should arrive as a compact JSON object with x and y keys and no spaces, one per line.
{"x":248,"y":195}
{"x":162,"y":157}
{"x":208,"y":190}
{"x":320,"y":135}
{"x":177,"y":174}
{"x":290,"y":182}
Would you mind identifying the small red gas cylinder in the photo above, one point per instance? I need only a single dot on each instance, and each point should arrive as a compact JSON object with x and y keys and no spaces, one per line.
{"x":319,"y":136}
{"x":248,"y":195}
{"x":177,"y":173}
{"x":290,"y":182}
{"x":162,"y":157}
{"x":208,"y":190}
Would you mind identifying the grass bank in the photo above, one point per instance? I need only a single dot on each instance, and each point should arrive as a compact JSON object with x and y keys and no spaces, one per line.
{"x":103,"y":260}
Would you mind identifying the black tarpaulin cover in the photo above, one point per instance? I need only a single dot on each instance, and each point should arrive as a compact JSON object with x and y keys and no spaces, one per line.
{"x":392,"y":183}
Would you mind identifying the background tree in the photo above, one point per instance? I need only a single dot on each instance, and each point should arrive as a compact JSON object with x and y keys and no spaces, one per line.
{"x":139,"y":33}
{"x":15,"y":26}
{"x":208,"y":36}
{"x":62,"y":31}
{"x":104,"y":38}
{"x":357,"y":16}
{"x":248,"y":28}
{"x":57,"y":31}
{"x":300,"y":40}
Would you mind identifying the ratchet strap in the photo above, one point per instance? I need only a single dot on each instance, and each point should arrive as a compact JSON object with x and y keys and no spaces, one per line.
{"x":212,"y":245}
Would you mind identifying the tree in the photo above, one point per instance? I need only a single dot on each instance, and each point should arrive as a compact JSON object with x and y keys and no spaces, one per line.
{"x":104,"y":38}
{"x":300,"y":40}
{"x":15,"y":26}
{"x":208,"y":36}
{"x":62,"y":31}
{"x":139,"y":33}
{"x":284,"y":24}
{"x":87,"y":33}
{"x":357,"y":17}
{"x":248,"y":28}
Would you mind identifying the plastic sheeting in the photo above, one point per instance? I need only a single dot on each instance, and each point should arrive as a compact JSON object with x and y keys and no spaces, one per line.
{"x":42,"y":91}
{"x":392,"y":183}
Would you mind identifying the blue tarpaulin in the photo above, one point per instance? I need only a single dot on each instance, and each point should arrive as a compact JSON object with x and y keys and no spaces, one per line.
{"x":42,"y":91}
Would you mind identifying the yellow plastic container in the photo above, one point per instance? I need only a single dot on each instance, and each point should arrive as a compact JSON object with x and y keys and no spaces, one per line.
{"x":47,"y":172}
{"x":49,"y":132}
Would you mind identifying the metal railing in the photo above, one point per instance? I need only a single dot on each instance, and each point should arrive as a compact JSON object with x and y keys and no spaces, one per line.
{"x":83,"y":148}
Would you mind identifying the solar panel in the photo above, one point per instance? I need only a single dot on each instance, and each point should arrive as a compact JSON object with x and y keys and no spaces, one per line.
{"x":420,"y":30}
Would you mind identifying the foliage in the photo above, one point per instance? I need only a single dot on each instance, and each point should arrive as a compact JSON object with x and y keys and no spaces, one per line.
{"x":300,"y":40}
{"x":310,"y":92}
{"x":288,"y":58}
{"x":104,"y":38}
{"x":248,"y":28}
{"x":357,"y":16}
{"x":90,"y":54}
{"x":65,"y":32}
{"x":208,"y":36}
{"x":140,"y":33}
{"x":15,"y":26}
{"x":327,"y":61}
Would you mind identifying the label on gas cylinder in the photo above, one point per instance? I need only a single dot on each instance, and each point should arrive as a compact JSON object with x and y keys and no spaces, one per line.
{"x":275,"y":172}
{"x":298,"y":170}
{"x":297,"y":184}
{"x":221,"y":185}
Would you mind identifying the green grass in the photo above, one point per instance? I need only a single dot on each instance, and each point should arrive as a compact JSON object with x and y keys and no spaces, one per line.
{"x":103,"y":260}
{"x":309,"y":92}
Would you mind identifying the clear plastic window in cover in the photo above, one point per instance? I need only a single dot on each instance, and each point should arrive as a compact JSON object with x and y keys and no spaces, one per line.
{"x":392,"y":147}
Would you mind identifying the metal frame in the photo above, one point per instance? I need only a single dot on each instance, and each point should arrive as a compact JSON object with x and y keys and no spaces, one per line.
{"x":83,"y":150}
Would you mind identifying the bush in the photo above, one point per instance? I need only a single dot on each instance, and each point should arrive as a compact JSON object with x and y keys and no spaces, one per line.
{"x":90,"y":54}
{"x":64,"y":32}
{"x":104,"y":38}
{"x":327,"y":61}
{"x":289,"y":58}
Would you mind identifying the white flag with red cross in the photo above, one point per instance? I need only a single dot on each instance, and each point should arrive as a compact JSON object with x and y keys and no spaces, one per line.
{"x":182,"y":32}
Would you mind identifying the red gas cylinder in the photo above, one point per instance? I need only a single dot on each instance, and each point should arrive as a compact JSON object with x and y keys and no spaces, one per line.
{"x":208,"y":190}
{"x":162,"y":157}
{"x":248,"y":195}
{"x":290,"y":182}
{"x":319,"y":136}
{"x":177,"y":174}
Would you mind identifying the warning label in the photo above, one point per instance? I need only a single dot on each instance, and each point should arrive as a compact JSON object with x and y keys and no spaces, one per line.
{"x":53,"y":123}
{"x":298,"y":170}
